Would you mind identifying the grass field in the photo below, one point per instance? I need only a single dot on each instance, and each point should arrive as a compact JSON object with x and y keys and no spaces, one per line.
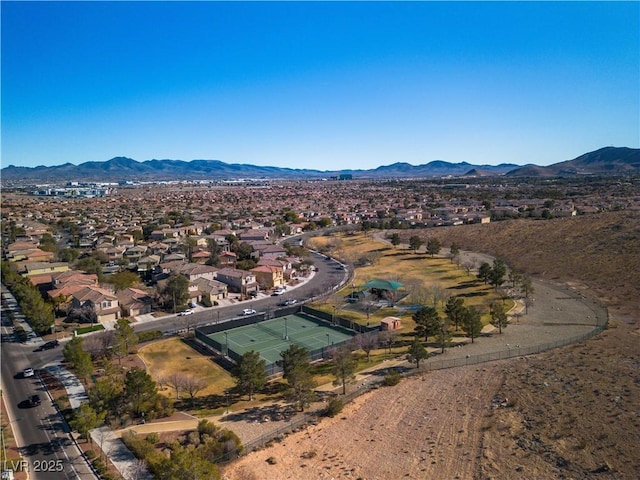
{"x":165,"y":357}
{"x":420,"y":274}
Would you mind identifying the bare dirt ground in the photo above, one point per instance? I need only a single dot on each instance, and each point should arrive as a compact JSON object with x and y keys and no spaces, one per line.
{"x":571,"y":413}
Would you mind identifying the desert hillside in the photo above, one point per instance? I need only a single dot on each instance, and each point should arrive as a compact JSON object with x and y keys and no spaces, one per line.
{"x":600,"y":252}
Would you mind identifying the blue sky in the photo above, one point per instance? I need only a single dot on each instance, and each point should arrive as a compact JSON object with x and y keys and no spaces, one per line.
{"x":318,"y":85}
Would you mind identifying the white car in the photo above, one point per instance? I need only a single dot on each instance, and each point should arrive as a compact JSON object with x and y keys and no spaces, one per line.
{"x":278,"y":291}
{"x":28,"y":372}
{"x":186,"y":312}
{"x":248,"y":311}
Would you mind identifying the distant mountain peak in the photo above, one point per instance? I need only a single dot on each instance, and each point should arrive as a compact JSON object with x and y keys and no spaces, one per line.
{"x":604,"y":161}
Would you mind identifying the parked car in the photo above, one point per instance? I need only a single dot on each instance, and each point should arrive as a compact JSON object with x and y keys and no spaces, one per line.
{"x":28,"y":372}
{"x":286,"y":303}
{"x":49,"y":345}
{"x":278,"y":291}
{"x":34,"y":400}
{"x":248,"y":311}
{"x":185,"y":313}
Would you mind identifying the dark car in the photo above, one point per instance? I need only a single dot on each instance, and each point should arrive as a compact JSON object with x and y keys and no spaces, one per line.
{"x":34,"y":401}
{"x":50,"y":345}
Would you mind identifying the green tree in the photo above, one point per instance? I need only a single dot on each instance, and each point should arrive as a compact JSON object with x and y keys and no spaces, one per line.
{"x":125,"y":338}
{"x":250,"y":374}
{"x":297,"y":372}
{"x":471,"y":322}
{"x":89,"y":265}
{"x":214,"y":250}
{"x":454,"y":310}
{"x":243,"y":250}
{"x":415,"y":242}
{"x":80,"y":360}
{"x":140,"y":391}
{"x":499,"y":317}
{"x":484,"y":272}
{"x":176,"y":292}
{"x":417,"y":352}
{"x":188,"y":464}
{"x":189,"y":247}
{"x":395,"y":239}
{"x":106,"y":394}
{"x":427,"y":322}
{"x":497,"y":273}
{"x":69,"y":255}
{"x":85,"y":419}
{"x":343,"y":366}
{"x":123,"y":280}
{"x":433,"y":246}
{"x":47,"y":243}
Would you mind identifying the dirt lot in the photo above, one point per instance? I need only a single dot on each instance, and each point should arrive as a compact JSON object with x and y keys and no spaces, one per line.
{"x":568,"y":413}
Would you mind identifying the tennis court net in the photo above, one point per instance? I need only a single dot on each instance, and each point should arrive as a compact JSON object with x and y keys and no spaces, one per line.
{"x":275,"y":333}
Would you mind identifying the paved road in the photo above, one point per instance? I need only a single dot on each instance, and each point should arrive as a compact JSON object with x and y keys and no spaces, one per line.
{"x":40,"y":432}
{"x":329,"y":273}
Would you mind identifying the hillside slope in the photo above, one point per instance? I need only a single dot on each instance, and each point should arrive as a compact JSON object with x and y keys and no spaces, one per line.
{"x":599,"y":252}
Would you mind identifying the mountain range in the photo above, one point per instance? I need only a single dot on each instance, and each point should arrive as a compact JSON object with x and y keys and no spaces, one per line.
{"x":605,"y":161}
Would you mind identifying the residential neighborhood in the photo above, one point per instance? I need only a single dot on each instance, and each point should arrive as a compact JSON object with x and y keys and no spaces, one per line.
{"x":230,"y":242}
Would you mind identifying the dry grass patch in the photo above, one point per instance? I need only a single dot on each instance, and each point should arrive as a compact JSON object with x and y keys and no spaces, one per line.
{"x":169,"y":356}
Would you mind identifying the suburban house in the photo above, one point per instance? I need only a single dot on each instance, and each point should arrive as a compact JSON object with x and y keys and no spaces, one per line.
{"x":32,"y":254}
{"x":273,"y":251}
{"x":71,"y":277}
{"x":285,"y":264}
{"x":104,"y":303}
{"x":254,"y":234}
{"x":29,"y":269}
{"x":239,"y":281}
{"x":134,"y":301}
{"x":201,"y":256}
{"x":228,"y":259}
{"x":269,"y":276}
{"x":193,"y":271}
{"x":148,"y":262}
{"x":215,"y":289}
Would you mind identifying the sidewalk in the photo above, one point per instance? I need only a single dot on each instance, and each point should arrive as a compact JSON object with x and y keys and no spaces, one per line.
{"x":75,"y":390}
{"x":124,"y":461}
{"x":121,"y":457}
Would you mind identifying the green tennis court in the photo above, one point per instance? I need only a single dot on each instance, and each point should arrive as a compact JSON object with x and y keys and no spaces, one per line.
{"x":271,"y":337}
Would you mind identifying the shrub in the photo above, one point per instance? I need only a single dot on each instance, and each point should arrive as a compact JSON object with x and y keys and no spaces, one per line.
{"x":90,"y":454}
{"x":152,"y":438}
{"x":99,"y":465}
{"x":334,"y":407}
{"x":148,"y":336}
{"x":391,"y":378}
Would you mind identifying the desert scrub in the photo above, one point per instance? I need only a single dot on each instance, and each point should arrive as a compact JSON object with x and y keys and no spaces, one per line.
{"x":392,"y":378}
{"x":334,"y":407}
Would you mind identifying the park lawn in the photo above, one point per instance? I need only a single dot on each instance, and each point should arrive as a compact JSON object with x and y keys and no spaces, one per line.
{"x":173,"y":355}
{"x":417,"y":272}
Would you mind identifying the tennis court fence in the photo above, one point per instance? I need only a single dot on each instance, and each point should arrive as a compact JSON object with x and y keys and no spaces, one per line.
{"x":202,"y":334}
